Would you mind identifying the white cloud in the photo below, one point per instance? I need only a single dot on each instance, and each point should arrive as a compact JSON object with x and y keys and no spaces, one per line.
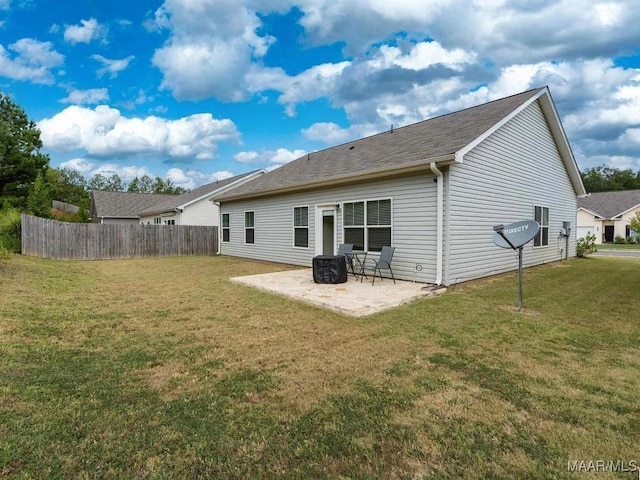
{"x":193,"y":178}
{"x":33,"y":61}
{"x":84,"y":97}
{"x":86,"y":32}
{"x":279,"y":156}
{"x":104,"y":132}
{"x":212,"y":46}
{"x":80,"y":164}
{"x":113,"y":67}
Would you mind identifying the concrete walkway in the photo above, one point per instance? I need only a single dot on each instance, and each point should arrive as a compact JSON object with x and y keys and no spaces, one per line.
{"x":616,"y":253}
{"x":351,"y":298}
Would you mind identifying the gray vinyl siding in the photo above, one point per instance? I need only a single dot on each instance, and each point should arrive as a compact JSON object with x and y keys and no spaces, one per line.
{"x":413,"y":223}
{"x":500,"y":181}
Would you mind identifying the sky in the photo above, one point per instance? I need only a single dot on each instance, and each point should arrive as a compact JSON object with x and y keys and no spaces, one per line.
{"x":200,"y":90}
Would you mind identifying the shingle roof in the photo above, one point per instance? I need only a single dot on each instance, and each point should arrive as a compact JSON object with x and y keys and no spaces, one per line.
{"x":124,"y":204}
{"x":399,"y":148}
{"x":610,"y":204}
{"x":179,"y":200}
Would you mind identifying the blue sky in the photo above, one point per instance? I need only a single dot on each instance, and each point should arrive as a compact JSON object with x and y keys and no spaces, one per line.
{"x":198,"y":90}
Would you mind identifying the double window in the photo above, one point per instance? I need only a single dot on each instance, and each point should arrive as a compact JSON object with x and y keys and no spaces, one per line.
{"x":301,"y":227}
{"x":367,"y":224}
{"x":225,"y":227}
{"x":249,"y":227}
{"x":541,"y":215}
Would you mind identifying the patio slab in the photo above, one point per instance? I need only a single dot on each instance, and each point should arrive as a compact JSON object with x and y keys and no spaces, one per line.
{"x":352,"y":298}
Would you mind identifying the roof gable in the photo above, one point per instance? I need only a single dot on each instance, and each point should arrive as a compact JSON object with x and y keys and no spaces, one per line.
{"x":441,"y":139}
{"x":610,"y":204}
{"x":204,"y":191}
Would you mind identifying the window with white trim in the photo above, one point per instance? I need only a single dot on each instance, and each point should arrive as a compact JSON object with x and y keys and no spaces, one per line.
{"x":249,"y":227}
{"x":541,"y":215}
{"x":157,"y":220}
{"x":367,"y":224}
{"x":301,"y":227}
{"x":171,"y":222}
{"x":225,"y":227}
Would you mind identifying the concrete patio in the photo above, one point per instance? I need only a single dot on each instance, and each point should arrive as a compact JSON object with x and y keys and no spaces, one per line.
{"x":352,"y":298}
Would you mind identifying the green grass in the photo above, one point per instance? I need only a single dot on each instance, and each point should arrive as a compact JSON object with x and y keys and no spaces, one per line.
{"x":162,"y":368}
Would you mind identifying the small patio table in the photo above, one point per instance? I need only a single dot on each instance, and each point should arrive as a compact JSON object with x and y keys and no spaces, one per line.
{"x":359,"y":257}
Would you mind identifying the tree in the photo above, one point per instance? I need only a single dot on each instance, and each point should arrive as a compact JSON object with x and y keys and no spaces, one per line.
{"x":112,"y":183}
{"x":607,"y":179}
{"x":166,"y":187}
{"x":20,"y":157}
{"x":144,"y":184}
{"x":69,"y":186}
{"x":634,"y":224}
{"x":40,"y":196}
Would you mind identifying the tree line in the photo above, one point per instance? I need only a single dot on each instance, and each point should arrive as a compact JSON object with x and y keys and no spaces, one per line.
{"x":29,"y":184}
{"x":608,"y":179}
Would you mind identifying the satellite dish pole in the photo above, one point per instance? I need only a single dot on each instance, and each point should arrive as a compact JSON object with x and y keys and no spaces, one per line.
{"x":515,"y":236}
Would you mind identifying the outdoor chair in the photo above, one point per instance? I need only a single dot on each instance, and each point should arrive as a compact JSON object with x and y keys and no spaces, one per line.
{"x":383,"y":263}
{"x":346,"y":249}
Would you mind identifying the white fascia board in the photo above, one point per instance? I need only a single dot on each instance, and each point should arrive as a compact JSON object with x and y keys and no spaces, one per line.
{"x":592,"y":213}
{"x":628,"y":210}
{"x":466,"y":149}
{"x":557,"y":131}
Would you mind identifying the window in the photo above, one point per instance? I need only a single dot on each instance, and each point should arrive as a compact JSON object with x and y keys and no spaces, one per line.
{"x":157,"y":220}
{"x":249,"y":227}
{"x":541,"y":215}
{"x":171,"y":222}
{"x":225,"y":227}
{"x":301,"y":227}
{"x":367,"y":225}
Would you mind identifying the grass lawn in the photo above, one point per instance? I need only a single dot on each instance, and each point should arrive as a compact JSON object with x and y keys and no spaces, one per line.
{"x":162,"y":368}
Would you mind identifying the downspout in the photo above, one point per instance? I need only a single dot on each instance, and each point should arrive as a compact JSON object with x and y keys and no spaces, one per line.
{"x":439,"y":221}
{"x":220,"y":226}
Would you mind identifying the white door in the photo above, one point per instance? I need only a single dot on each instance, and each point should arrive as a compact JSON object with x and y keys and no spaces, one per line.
{"x":325,"y":229}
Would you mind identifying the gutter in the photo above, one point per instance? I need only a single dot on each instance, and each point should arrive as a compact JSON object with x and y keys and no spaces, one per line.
{"x":439,"y":221}
{"x":220,"y":225}
{"x":345,"y":179}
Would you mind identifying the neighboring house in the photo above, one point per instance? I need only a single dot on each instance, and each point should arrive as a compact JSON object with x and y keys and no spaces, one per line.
{"x":194,"y":207}
{"x":121,"y":207}
{"x":433,"y":190}
{"x":607,"y":215}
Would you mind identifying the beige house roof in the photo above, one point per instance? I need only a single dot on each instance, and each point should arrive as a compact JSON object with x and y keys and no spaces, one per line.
{"x":437,"y":139}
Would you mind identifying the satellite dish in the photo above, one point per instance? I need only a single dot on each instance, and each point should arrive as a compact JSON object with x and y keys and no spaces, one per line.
{"x":515,"y":235}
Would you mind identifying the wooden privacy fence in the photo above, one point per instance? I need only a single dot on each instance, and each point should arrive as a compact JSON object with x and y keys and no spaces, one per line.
{"x":46,"y":238}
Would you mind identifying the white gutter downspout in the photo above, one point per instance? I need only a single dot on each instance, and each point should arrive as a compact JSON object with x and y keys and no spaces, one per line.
{"x":439,"y":221}
{"x":220,"y":227}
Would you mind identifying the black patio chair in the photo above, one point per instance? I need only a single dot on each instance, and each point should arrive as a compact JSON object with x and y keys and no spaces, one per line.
{"x":346,"y":249}
{"x":383,"y":263}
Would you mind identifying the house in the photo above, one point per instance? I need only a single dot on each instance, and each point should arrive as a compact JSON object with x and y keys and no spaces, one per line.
{"x":433,"y":190}
{"x":194,"y":207}
{"x":121,"y":207}
{"x":607,"y":215}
